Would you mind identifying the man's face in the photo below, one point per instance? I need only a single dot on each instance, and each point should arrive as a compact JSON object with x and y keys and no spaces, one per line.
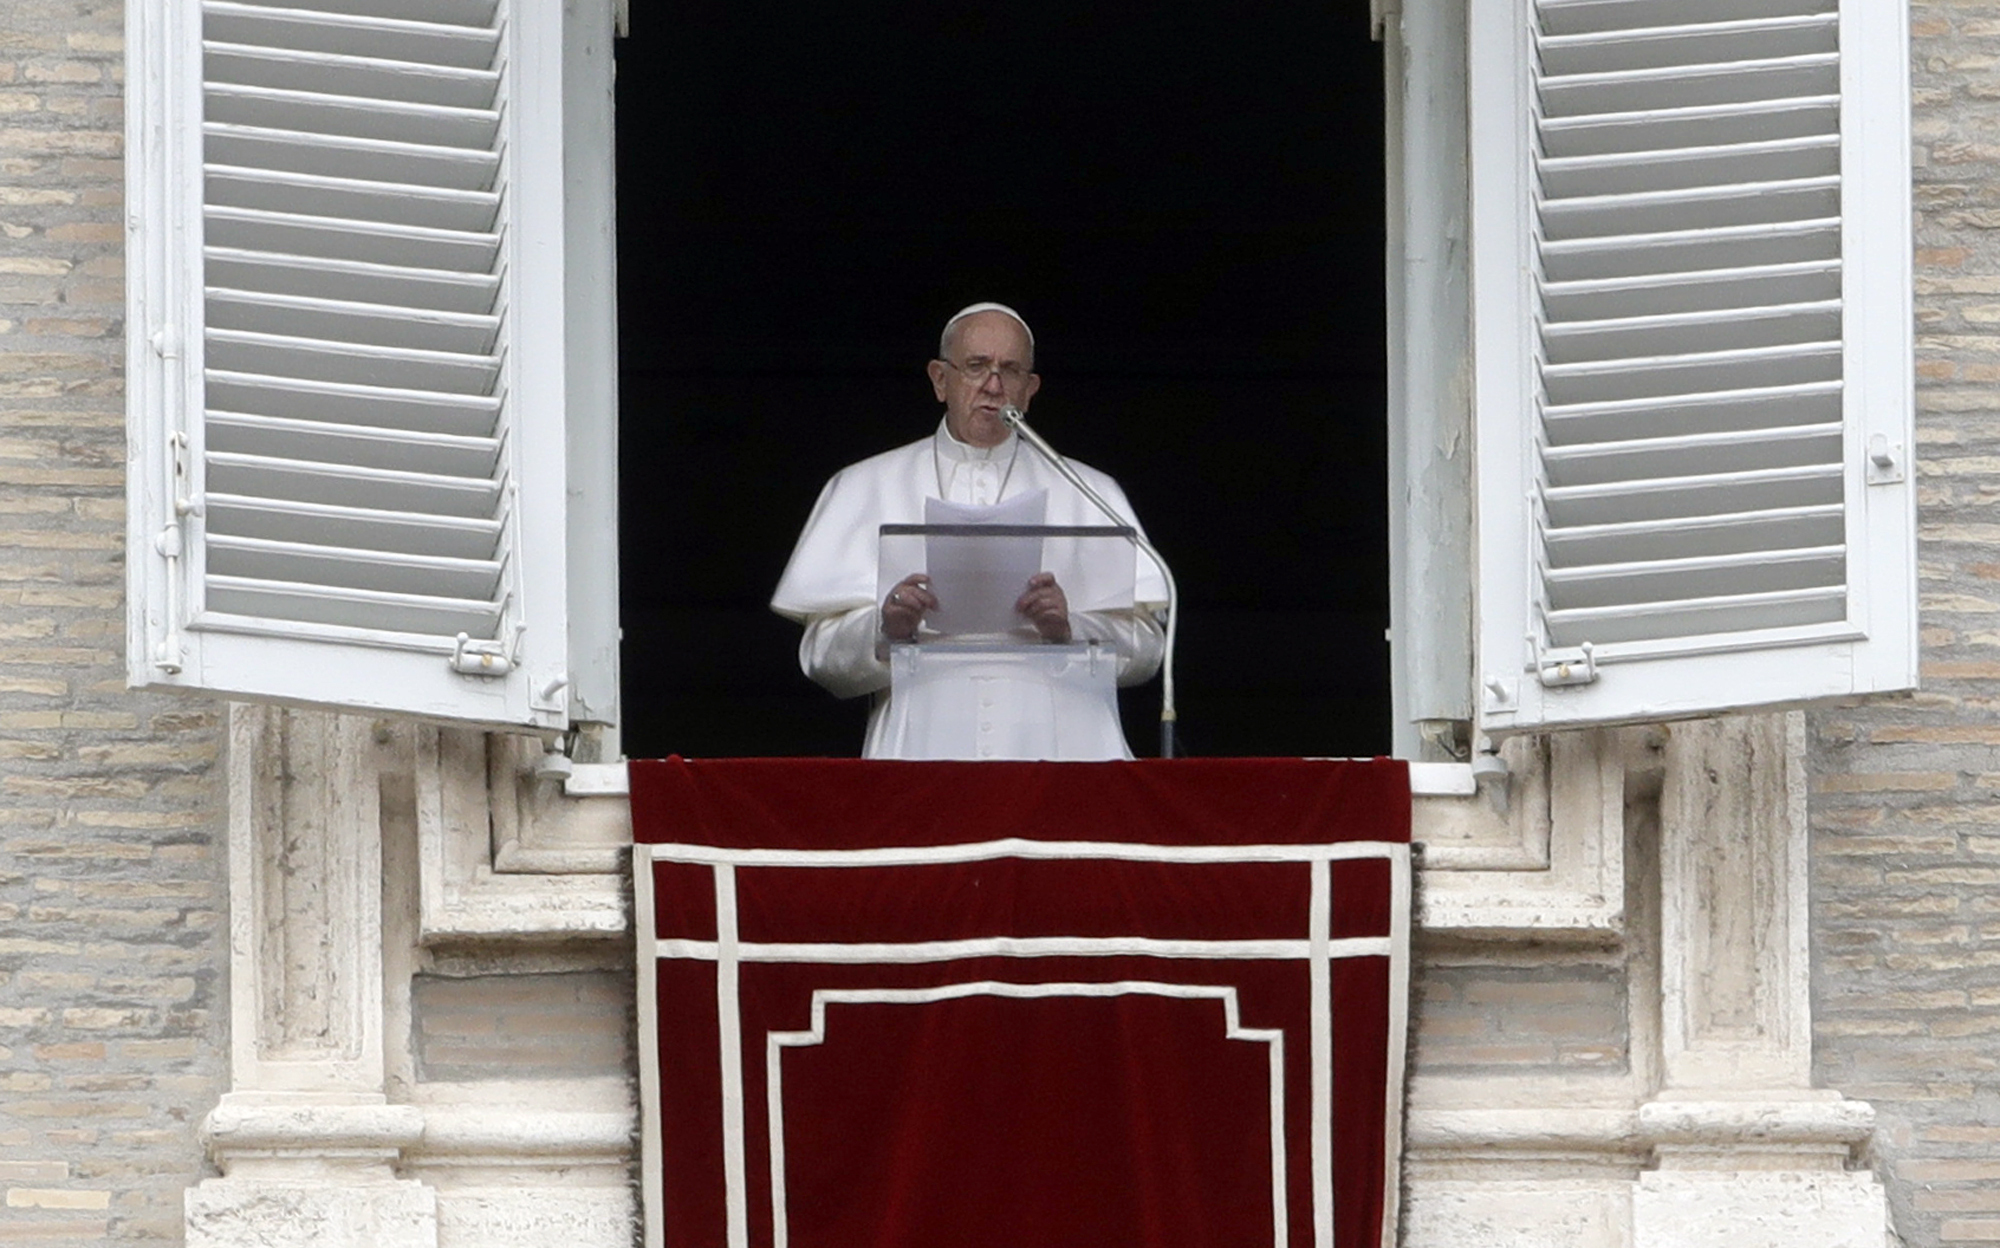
{"x":995,"y":345}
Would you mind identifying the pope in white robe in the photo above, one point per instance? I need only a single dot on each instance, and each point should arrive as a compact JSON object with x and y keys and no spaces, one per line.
{"x":986,"y":361}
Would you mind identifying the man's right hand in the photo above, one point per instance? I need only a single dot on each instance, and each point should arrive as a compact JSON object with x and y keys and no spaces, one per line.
{"x":904,"y":608}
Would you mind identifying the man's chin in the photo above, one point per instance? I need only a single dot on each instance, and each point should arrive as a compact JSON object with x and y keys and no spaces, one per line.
{"x":984,"y":428}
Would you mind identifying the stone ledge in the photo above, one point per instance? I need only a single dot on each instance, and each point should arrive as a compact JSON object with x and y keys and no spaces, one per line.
{"x":1824,"y":1121}
{"x":275,"y":1126}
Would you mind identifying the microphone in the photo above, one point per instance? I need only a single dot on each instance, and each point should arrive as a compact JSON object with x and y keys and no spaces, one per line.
{"x":1018,"y":421}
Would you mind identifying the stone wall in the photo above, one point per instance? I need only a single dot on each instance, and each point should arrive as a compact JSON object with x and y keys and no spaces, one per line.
{"x":112,"y":940}
{"x":1906,"y":793}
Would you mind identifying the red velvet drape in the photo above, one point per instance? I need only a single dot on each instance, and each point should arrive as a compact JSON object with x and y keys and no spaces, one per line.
{"x":1073,"y":1004}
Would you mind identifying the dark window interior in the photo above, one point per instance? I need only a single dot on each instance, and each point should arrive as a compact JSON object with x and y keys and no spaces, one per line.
{"x":1185,"y":201}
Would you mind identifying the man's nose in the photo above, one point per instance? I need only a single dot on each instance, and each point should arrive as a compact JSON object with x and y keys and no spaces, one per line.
{"x":992,"y":382}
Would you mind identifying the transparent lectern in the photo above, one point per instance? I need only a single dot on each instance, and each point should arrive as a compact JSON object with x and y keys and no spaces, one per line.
{"x":977,"y":683}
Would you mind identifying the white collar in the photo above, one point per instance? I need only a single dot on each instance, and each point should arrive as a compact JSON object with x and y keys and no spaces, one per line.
{"x":949,"y":447}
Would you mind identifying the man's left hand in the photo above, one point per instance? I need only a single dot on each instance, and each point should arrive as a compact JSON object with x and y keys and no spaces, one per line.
{"x":1046,"y":607}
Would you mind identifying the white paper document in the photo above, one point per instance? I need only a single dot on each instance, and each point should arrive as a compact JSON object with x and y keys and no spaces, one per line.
{"x":978,"y":577}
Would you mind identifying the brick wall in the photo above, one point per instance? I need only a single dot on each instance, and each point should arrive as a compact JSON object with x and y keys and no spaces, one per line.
{"x":1906,"y":793}
{"x":111,"y":878}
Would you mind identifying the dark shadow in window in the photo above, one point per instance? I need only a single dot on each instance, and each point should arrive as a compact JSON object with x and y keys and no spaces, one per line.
{"x":1186,"y":203}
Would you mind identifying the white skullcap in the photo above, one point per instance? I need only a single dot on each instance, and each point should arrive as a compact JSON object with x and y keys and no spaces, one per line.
{"x":976,"y":308}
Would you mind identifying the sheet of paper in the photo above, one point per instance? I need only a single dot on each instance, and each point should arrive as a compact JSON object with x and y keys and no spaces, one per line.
{"x":978,"y":578}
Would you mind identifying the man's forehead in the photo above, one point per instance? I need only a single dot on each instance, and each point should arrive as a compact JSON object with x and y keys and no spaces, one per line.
{"x":993,"y":333}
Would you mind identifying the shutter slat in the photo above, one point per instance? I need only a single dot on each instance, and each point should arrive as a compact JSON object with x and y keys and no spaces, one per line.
{"x":1727,"y":124}
{"x":352,"y":280}
{"x":338,"y":156}
{"x":1593,"y":463}
{"x":382,"y":571}
{"x":1708,"y":330}
{"x":1666,"y":293}
{"x":393,"y":367}
{"x":351,"y":116}
{"x":376,"y":489}
{"x":354,"y":608}
{"x":1563,"y":17}
{"x":1692,"y":87}
{"x":1690,"y":537}
{"x":1620,"y":255}
{"x":1655,"y":621}
{"x":464,"y":415}
{"x":391,"y":532}
{"x":304,"y":194}
{"x":435,"y":43}
{"x":448,"y":12}
{"x":1598,"y":381}
{"x":1712,"y":494}
{"x":280,"y":438}
{"x":1758,"y":407}
{"x":1686,"y":45}
{"x":369,"y":242}
{"x":1688,"y":209}
{"x":343,"y":321}
{"x":1624,"y":173}
{"x":379,"y":78}
{"x":1678,"y":580}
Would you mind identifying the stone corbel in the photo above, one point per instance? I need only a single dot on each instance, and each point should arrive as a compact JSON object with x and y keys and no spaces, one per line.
{"x":1547,"y":861}
{"x":507,"y":856}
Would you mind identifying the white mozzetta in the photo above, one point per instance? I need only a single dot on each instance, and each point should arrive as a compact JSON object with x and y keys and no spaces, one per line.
{"x":1692,"y":285}
{"x":351,"y":244}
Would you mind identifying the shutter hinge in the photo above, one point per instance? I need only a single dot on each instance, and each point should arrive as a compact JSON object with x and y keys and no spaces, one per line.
{"x":1885,"y":461}
{"x":487,"y":658}
{"x":170,"y":654}
{"x":1568,"y":667}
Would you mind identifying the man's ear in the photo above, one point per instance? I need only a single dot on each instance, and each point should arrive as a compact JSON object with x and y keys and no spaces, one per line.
{"x":936,"y":370}
{"x":1028,"y":391}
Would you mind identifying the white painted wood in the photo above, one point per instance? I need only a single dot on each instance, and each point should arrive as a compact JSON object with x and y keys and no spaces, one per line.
{"x":1430,"y":410}
{"x":351,"y":241}
{"x":1692,"y":286}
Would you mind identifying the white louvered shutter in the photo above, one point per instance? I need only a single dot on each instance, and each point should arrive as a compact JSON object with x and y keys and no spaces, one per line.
{"x":1692,"y":308}
{"x":348,"y":351}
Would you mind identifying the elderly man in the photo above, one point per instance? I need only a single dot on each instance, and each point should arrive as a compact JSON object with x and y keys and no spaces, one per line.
{"x":986,"y":361}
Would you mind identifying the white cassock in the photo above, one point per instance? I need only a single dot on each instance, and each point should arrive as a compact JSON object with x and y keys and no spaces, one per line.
{"x":830,"y":587}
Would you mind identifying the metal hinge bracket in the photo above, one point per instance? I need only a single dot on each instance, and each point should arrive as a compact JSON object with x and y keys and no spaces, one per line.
{"x":1568,"y":667}
{"x":487,"y":658}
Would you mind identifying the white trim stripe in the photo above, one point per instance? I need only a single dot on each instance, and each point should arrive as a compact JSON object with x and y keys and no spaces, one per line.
{"x":735,"y":1171}
{"x":777,"y":1041}
{"x":1015,"y":848}
{"x":1321,"y":971}
{"x":653,"y":1182}
{"x":1023,"y":947}
{"x":1400,"y":885}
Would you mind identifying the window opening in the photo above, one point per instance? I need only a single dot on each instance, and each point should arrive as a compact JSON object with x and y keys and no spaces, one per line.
{"x":1189,"y":210}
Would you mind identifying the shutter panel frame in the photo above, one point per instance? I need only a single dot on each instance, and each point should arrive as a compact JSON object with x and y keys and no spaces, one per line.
{"x":1549,"y":483}
{"x":368,"y":447}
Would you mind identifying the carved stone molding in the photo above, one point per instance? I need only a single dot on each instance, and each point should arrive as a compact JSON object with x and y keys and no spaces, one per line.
{"x":1548,"y":861}
{"x":305,"y":861}
{"x":1735,"y":968}
{"x":473,"y":823}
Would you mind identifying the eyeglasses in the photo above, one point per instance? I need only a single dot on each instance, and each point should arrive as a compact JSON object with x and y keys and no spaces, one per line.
{"x":978,"y":369}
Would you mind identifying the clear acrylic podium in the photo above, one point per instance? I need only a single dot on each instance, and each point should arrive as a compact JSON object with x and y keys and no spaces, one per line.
{"x":977,"y":683}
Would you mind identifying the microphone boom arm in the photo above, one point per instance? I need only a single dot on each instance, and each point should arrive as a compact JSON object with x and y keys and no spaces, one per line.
{"x":1168,"y":714}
